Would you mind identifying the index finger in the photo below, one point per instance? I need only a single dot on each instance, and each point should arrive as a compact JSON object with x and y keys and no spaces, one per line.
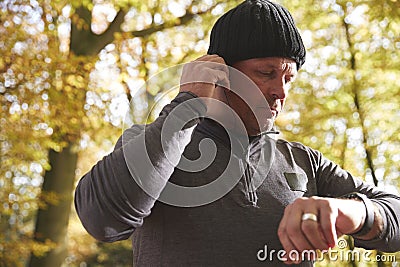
{"x":328,"y":224}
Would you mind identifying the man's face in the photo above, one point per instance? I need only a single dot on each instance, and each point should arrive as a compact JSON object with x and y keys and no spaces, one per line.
{"x":273,"y":76}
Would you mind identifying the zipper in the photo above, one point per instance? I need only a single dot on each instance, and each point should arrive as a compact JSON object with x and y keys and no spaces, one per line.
{"x":249,"y":182}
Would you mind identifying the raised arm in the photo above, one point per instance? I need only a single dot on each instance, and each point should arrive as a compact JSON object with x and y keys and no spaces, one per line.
{"x":119,"y":191}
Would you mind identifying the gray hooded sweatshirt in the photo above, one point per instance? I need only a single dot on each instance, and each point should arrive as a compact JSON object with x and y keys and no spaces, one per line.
{"x":191,"y":194}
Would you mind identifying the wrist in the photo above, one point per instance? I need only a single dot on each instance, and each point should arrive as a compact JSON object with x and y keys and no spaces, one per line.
{"x":367,"y":223}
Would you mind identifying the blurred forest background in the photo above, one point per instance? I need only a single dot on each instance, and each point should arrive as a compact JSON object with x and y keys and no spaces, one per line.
{"x":69,"y":69}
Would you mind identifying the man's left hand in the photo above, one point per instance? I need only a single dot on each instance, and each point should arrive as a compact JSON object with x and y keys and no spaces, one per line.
{"x":316,"y":223}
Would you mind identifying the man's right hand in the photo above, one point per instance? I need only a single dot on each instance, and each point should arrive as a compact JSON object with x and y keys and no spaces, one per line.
{"x":206,"y":77}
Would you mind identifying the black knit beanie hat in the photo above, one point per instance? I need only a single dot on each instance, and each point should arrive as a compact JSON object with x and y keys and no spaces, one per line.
{"x":255,"y":29}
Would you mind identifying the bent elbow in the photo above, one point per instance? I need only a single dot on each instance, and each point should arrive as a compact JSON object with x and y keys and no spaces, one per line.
{"x":99,"y":222}
{"x":103,"y":228}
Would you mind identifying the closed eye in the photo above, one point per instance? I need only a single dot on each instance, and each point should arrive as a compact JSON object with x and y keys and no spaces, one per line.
{"x":266,"y":73}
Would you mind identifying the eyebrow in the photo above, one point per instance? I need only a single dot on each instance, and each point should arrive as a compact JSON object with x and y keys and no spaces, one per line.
{"x":276,"y":67}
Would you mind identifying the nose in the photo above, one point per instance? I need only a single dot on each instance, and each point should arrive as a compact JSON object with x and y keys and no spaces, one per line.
{"x":278,"y":88}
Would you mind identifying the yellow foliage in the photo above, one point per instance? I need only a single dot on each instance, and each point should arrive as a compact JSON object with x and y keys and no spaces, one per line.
{"x":40,"y":249}
{"x":58,"y":112}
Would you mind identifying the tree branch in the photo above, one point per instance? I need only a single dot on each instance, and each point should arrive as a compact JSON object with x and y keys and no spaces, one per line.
{"x":115,"y":26}
{"x":184,"y":20}
{"x":356,"y":98}
{"x":82,"y":36}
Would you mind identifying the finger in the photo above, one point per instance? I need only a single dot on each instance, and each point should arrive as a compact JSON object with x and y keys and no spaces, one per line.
{"x":328,"y":224}
{"x":214,"y":62}
{"x":203,"y":69}
{"x":211,"y":76}
{"x":291,"y":254}
{"x":214,"y":65}
{"x":286,"y":238}
{"x":205,"y":62}
{"x":209,"y":72}
{"x":312,"y":232}
{"x":211,"y":58}
{"x":206,"y":57}
{"x":296,"y":235}
{"x":222,"y":79}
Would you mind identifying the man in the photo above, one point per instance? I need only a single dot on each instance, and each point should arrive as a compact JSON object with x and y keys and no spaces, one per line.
{"x":256,"y":193}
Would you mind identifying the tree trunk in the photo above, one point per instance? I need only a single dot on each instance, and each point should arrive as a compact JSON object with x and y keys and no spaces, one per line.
{"x":52,"y":220}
